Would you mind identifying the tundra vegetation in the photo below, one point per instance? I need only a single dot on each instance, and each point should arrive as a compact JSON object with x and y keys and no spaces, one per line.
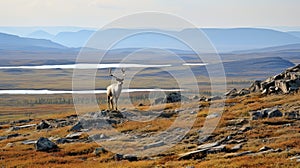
{"x":256,"y":130}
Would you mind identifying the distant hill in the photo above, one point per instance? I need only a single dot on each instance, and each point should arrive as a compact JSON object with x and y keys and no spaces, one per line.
{"x":256,"y":68}
{"x":12,"y":42}
{"x":73,"y":39}
{"x":225,"y":40}
{"x":295,"y":33}
{"x":24,"y":31}
{"x":289,"y":47}
{"x":40,"y":34}
{"x":267,"y":65}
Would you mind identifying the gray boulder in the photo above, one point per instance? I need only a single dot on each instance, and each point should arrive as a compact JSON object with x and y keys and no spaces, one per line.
{"x":265,"y":113}
{"x":274,"y":113}
{"x":77,"y":127}
{"x":118,"y":157}
{"x":202,"y":99}
{"x":255,"y":86}
{"x":159,"y":101}
{"x":255,"y":115}
{"x":173,"y":97}
{"x":44,"y":144}
{"x":99,"y":151}
{"x":130,"y":157}
{"x":43,"y":125}
{"x":231,"y":93}
{"x":291,"y":115}
{"x":62,"y":141}
{"x":243,"y":92}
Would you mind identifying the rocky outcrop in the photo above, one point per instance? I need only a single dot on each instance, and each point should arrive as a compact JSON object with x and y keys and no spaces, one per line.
{"x":285,"y":82}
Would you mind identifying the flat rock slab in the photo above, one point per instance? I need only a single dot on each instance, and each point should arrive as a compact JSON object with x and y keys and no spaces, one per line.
{"x":237,"y":147}
{"x":264,"y":148}
{"x":28,"y":142}
{"x":75,"y":135}
{"x":216,"y":149}
{"x":154,"y":145}
{"x":198,"y":154}
{"x":263,"y":152}
{"x":15,"y":128}
{"x":230,"y":155}
{"x":209,"y":145}
{"x":297,"y":158}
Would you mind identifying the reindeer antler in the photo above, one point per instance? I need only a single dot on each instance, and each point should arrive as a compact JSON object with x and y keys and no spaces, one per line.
{"x":123,"y":71}
{"x":110,"y":74}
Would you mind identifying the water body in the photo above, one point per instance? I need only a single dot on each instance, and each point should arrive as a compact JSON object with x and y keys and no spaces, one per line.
{"x":17,"y":92}
{"x":95,"y":66}
{"x":195,"y":64}
{"x":86,"y":66}
{"x":83,"y":66}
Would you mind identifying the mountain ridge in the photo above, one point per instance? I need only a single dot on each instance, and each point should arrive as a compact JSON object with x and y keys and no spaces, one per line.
{"x":224,"y":39}
{"x":13,"y":42}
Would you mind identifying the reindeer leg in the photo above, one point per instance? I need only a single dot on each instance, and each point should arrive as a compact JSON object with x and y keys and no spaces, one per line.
{"x":112,"y":103}
{"x":108,"y":102}
{"x":116,"y":103}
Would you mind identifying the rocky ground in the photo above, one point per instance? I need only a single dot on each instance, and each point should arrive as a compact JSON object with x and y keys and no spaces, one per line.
{"x":255,"y":130}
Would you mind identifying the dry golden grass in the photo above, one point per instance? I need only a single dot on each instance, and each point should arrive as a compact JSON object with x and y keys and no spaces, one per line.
{"x":263,"y":133}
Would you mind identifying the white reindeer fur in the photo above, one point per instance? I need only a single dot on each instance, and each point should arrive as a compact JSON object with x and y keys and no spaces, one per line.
{"x":113,"y":92}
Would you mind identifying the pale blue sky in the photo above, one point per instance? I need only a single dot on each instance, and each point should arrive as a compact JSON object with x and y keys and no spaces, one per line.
{"x":203,"y":13}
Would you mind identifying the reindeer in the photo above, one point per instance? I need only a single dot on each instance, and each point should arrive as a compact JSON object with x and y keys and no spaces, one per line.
{"x":114,"y":91}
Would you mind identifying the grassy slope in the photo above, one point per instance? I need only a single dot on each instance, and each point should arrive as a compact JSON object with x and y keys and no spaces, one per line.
{"x":81,"y":154}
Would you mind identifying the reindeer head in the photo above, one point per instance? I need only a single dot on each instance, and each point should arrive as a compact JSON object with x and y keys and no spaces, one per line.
{"x":120,"y":80}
